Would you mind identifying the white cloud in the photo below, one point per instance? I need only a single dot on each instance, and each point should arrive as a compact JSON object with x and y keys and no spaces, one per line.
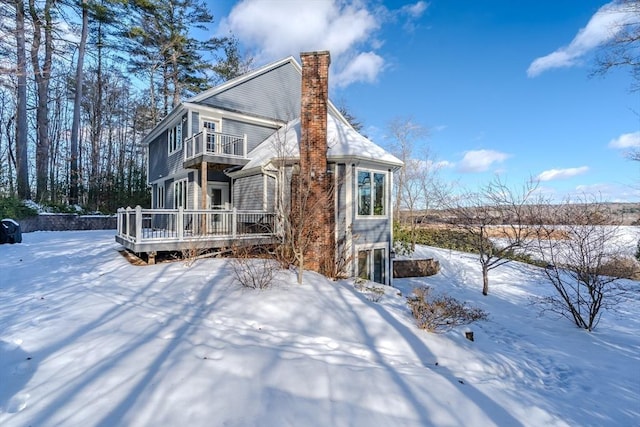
{"x":276,"y":29}
{"x":554,"y":174}
{"x":627,"y":140}
{"x":415,"y":10}
{"x":480,"y":160}
{"x":602,"y":27}
{"x":363,"y":68}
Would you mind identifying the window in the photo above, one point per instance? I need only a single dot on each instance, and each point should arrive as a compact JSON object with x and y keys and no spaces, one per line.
{"x":371,"y":193}
{"x":210,"y":127}
{"x":160,"y":196}
{"x":175,"y":138}
{"x":180,"y":194}
{"x":371,"y":265}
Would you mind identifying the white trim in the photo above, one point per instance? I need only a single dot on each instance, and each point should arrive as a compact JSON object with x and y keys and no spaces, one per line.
{"x":186,"y":192}
{"x":219,"y":185}
{"x":178,"y":138}
{"x":232,"y":115}
{"x":210,"y":119}
{"x":371,"y":247}
{"x":160,"y":188}
{"x":241,"y":79}
{"x":385,"y":196}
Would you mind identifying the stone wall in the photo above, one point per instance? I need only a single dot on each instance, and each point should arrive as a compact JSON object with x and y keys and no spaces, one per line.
{"x":64,"y":222}
{"x":415,"y":268}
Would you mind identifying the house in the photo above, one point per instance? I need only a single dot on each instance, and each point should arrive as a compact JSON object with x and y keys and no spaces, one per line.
{"x":221,"y":167}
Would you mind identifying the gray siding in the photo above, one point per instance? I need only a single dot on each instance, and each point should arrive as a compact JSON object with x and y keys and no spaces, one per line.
{"x":158,"y":165}
{"x":271,"y":194}
{"x":255,"y":134}
{"x":248,"y":192}
{"x":275,"y":94}
{"x":160,"y":162}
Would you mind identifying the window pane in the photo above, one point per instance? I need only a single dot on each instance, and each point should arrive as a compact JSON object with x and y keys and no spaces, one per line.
{"x":363,"y":265}
{"x":378,"y":265}
{"x":364,"y":193}
{"x":378,"y":205}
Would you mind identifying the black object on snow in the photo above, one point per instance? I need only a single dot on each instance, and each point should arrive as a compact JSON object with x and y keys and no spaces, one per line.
{"x":10,"y":231}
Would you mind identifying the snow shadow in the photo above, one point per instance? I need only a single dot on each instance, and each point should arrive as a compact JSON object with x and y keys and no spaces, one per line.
{"x":17,"y":369}
{"x":493,"y":411}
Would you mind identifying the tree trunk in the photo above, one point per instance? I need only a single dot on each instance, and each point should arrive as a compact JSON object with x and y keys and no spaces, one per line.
{"x":22,"y":165}
{"x":75,"y":127}
{"x":485,"y":280}
{"x":42,"y":76}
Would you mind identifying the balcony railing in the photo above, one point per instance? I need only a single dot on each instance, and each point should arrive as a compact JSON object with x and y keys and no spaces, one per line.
{"x":212,"y":143}
{"x":145,"y":226}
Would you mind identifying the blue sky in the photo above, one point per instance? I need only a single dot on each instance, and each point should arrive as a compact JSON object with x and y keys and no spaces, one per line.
{"x":502,"y":86}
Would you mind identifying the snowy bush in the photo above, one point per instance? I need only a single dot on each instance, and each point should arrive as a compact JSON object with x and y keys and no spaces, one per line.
{"x":440,"y":313}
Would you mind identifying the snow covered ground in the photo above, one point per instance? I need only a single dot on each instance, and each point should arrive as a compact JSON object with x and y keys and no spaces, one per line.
{"x":86,"y":339}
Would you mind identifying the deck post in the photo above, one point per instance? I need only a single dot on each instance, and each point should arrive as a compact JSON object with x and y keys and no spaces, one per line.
{"x":127,"y":212}
{"x":180,"y":223}
{"x":138,"y":223}
{"x":234,"y":222}
{"x":244,"y":146}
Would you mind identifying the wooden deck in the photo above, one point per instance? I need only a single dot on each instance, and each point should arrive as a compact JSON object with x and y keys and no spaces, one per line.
{"x":157,"y":230}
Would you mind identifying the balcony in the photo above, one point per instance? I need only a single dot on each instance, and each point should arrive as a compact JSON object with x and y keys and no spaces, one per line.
{"x":215,"y":148}
{"x":156,"y":230}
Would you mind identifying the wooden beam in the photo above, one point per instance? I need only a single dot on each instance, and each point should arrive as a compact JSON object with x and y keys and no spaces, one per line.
{"x":203,"y":185}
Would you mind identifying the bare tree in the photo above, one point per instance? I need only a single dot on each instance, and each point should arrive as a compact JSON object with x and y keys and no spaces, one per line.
{"x":496,"y":212}
{"x":422,"y":189}
{"x":403,"y":134}
{"x":42,"y":23}
{"x":22,"y":163}
{"x":584,"y":261}
{"x":75,"y":126}
{"x":299,"y":204}
{"x":624,"y":48}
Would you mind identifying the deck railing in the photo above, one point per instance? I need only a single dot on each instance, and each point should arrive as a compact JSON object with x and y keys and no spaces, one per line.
{"x":216,"y":144}
{"x":139,"y":225}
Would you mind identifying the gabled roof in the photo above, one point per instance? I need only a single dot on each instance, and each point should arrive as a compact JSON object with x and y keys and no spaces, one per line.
{"x":243,"y":78}
{"x":343,"y":142}
{"x":228,"y":85}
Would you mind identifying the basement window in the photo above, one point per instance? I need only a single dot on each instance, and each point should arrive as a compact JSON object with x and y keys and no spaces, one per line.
{"x":371,"y":193}
{"x":371,"y":265}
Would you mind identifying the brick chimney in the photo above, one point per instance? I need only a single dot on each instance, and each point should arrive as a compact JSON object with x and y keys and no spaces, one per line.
{"x":313,"y":177}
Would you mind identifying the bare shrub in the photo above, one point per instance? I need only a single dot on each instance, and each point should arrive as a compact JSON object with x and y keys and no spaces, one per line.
{"x":194,"y":251}
{"x":440,"y":313}
{"x":254,"y":271}
{"x":372,"y":293}
{"x":584,"y":268}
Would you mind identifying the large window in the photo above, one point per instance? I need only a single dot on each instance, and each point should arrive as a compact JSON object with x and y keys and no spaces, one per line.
{"x":175,"y":138}
{"x":371,"y":265}
{"x":371,"y":193}
{"x":180,"y":194}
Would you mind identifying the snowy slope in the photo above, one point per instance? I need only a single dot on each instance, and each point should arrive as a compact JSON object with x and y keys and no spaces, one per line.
{"x":87,"y":339}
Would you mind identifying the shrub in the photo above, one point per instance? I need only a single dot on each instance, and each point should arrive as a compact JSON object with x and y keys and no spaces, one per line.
{"x":372,"y":293}
{"x":440,"y":313}
{"x":251,"y":271}
{"x":638,"y":251}
{"x":13,"y":208}
{"x":401,"y":239}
